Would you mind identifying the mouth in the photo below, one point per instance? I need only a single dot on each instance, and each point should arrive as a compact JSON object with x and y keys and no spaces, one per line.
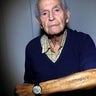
{"x":53,"y":25}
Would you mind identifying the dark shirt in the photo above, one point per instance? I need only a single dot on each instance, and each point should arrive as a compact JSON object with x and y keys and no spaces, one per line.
{"x":78,"y":54}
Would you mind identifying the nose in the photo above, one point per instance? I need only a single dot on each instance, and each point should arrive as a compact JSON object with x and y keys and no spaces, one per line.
{"x":51,"y":16}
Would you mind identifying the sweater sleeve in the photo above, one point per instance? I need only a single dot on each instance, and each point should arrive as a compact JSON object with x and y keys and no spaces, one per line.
{"x":87,"y":53}
{"x":29,"y":74}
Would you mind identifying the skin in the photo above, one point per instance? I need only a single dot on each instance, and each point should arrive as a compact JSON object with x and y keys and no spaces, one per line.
{"x":53,"y":18}
{"x":81,"y":80}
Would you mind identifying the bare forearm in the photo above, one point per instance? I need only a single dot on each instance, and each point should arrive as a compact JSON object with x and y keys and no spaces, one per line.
{"x":75,"y":81}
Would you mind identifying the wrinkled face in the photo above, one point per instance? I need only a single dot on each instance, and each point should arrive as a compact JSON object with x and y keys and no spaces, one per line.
{"x":53,"y":17}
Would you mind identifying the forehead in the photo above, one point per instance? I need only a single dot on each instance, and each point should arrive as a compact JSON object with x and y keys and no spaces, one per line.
{"x":48,"y":3}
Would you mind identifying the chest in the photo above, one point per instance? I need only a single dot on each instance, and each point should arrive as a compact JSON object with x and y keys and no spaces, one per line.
{"x":66,"y":64}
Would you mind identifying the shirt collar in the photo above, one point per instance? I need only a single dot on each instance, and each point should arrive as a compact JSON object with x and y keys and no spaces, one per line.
{"x":45,"y":44}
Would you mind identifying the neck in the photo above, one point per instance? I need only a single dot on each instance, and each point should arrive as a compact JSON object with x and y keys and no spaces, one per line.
{"x":55,"y":42}
{"x":56,"y":39}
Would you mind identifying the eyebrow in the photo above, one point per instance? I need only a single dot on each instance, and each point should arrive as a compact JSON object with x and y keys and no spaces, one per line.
{"x":42,"y":11}
{"x":56,"y":6}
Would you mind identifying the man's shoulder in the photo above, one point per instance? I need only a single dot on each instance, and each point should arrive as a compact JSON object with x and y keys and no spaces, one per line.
{"x":75,"y":32}
{"x":34,"y":42}
{"x":80,"y":37}
{"x":78,"y":34}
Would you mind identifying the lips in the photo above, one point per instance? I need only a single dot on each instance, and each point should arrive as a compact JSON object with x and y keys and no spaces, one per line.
{"x":53,"y":25}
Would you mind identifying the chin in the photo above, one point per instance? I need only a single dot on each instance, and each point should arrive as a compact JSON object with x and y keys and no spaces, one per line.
{"x":56,"y":33}
{"x":53,"y":33}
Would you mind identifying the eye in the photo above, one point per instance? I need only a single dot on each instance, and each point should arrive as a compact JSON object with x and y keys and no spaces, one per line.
{"x":57,"y":9}
{"x":45,"y":13}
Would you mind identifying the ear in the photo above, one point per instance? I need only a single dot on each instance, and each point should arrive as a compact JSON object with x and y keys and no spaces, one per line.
{"x":68,"y":15}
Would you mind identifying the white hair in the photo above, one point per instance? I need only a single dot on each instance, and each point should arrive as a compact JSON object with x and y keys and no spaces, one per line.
{"x":64,"y":4}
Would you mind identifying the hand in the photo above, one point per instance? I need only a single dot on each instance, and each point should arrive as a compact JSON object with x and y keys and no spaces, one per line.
{"x":24,"y":90}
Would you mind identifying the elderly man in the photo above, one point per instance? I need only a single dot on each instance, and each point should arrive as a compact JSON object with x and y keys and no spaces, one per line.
{"x":61,"y":59}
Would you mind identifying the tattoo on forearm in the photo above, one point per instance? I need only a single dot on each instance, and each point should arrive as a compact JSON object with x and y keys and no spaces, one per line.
{"x":78,"y":81}
{"x":75,"y":81}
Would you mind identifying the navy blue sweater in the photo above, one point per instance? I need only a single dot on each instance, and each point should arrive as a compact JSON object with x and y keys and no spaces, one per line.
{"x":78,"y":54}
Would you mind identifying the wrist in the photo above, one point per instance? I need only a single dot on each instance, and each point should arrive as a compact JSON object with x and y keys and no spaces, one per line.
{"x":36,"y":90}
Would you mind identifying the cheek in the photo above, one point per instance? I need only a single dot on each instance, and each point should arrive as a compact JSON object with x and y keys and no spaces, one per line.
{"x":62,"y":23}
{"x":44,"y":23}
{"x":61,"y":19}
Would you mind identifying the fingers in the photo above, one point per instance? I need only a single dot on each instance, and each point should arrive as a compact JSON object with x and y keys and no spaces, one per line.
{"x":22,"y":93}
{"x":24,"y":90}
